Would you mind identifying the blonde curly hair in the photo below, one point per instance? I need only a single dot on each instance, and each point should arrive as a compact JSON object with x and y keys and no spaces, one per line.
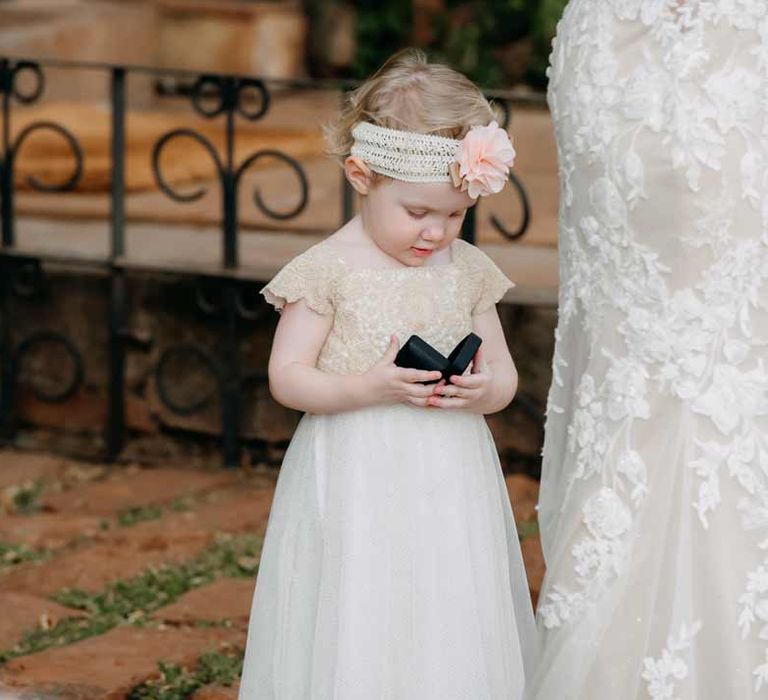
{"x":411,"y":94}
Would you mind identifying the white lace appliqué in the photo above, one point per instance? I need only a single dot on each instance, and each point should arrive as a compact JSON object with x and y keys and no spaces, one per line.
{"x":693,"y":343}
{"x":663,"y":673}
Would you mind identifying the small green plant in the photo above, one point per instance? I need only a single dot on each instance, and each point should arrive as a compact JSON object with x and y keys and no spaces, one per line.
{"x":178,"y":683}
{"x":13,"y":554}
{"x":132,"y":516}
{"x":24,"y":497}
{"x":182,"y":504}
{"x":527,"y":528}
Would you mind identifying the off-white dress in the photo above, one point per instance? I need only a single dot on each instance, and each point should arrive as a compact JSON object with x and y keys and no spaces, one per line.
{"x":654,"y":500}
{"x":391,"y":568}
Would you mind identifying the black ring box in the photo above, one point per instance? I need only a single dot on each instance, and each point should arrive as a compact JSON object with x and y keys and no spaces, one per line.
{"x":419,"y":354}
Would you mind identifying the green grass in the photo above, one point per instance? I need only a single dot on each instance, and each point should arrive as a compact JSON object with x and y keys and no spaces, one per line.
{"x":131,"y":601}
{"x":139,"y":514}
{"x":14,"y":554}
{"x":178,"y":683}
{"x":132,"y":516}
{"x":24,"y":497}
{"x":527,"y":528}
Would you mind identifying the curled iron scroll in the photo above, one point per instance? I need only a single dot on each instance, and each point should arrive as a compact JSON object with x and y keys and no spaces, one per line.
{"x":77,"y":153}
{"x":41,"y":339}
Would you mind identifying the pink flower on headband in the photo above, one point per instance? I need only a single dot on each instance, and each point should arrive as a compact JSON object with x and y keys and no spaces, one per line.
{"x":484,"y":158}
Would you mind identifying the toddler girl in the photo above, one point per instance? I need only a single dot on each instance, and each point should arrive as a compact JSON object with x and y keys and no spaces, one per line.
{"x":391,"y":567}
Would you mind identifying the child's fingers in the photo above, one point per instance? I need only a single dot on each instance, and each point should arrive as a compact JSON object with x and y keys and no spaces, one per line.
{"x":391,"y":352}
{"x":419,"y":375}
{"x":468,"y":381}
{"x":421,"y":403}
{"x":418,"y":390}
{"x":453,"y":391}
{"x":446,"y":402}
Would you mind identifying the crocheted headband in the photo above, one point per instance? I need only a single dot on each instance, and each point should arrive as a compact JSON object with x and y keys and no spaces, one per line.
{"x":478,"y":164}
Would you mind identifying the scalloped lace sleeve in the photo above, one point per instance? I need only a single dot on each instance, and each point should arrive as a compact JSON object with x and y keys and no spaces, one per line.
{"x":489,"y":283}
{"x":308,"y":276}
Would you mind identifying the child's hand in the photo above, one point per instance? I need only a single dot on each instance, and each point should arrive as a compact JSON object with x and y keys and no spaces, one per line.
{"x":467,"y":391}
{"x":388,"y":383}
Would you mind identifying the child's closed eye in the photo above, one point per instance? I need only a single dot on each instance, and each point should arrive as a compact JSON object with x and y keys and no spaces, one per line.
{"x":416,"y":214}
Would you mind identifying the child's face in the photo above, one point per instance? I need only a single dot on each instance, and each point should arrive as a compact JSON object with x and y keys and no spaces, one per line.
{"x":412,"y":221}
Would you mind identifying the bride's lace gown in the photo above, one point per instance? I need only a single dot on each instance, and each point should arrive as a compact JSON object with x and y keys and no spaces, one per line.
{"x":654,"y":501}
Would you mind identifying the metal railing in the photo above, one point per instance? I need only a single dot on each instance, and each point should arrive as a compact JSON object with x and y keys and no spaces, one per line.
{"x":220,"y":292}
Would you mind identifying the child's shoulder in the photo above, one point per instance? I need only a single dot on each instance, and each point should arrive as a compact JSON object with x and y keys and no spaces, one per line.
{"x":309,"y":276}
{"x":470,"y":256}
{"x":487,"y":283}
{"x":331,"y":252}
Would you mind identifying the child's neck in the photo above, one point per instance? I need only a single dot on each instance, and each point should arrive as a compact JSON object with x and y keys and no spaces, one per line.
{"x":361,"y":250}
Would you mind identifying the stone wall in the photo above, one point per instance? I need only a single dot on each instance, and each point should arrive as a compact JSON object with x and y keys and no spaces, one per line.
{"x":164,"y":313}
{"x":265,"y":38}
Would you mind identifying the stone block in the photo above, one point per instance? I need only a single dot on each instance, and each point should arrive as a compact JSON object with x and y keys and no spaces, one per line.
{"x":252,"y":38}
{"x":109,"y":666}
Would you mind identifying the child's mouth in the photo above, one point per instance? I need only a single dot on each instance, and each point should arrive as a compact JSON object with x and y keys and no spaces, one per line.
{"x":422,"y":252}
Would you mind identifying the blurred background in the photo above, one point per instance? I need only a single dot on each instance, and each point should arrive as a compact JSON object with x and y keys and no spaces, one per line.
{"x":498,"y":43}
{"x":161,"y":159}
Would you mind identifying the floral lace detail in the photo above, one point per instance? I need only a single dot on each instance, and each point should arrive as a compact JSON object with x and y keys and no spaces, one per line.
{"x":309,"y":276}
{"x":599,"y":556}
{"x":665,"y":315}
{"x":663,"y":673}
{"x":369,"y":305}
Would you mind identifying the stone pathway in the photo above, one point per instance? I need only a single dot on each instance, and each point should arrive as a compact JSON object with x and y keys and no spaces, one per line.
{"x":135,"y":583}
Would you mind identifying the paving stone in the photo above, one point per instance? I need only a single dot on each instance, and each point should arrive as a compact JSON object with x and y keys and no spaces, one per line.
{"x":524,"y":494}
{"x":233,"y":511}
{"x":20,"y":467}
{"x":48,"y":530}
{"x":216,"y":692}
{"x":110,"y":665}
{"x":534,"y":565}
{"x":134,"y":487}
{"x":23,"y":612}
{"x":91,"y":568}
{"x":225,"y":599}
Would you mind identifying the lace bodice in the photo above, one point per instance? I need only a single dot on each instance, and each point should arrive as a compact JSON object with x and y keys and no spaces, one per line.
{"x":368,"y":305}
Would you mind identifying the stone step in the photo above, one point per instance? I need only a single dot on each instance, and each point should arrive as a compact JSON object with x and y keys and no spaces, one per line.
{"x":124,"y":552}
{"x":23,"y":612}
{"x":188,"y":250}
{"x":19,"y":467}
{"x":110,"y":665}
{"x":133,"y":488}
{"x":225,"y":599}
{"x":48,"y":530}
{"x":92,"y":568}
{"x":217,"y":692}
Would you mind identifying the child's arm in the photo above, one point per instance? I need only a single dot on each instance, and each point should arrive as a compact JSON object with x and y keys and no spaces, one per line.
{"x":295,"y":381}
{"x":493,"y":381}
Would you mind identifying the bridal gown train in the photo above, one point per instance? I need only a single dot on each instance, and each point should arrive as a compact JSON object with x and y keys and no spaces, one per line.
{"x":654,"y":496}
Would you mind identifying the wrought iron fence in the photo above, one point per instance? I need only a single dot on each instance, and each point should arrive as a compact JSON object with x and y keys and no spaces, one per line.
{"x":223,"y":292}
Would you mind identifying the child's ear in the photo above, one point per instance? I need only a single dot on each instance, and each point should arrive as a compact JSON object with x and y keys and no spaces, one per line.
{"x":359,"y":174}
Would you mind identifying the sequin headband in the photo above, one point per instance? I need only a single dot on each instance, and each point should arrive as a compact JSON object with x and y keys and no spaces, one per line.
{"x":478,"y":164}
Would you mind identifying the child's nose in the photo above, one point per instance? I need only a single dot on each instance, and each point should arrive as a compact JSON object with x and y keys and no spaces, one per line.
{"x":435,"y":232}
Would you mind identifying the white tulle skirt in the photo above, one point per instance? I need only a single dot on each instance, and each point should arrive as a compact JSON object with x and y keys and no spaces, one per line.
{"x":391,"y":568}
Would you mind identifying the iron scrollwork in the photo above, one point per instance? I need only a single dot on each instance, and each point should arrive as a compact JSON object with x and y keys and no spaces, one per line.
{"x":10,"y":74}
{"x":50,"y":343}
{"x":232,"y":303}
{"x":228,"y":95}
